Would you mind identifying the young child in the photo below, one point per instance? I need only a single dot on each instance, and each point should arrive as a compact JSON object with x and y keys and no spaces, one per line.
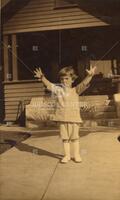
{"x":67,"y":108}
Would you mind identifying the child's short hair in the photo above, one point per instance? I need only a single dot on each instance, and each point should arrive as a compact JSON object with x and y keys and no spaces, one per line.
{"x":68,"y":71}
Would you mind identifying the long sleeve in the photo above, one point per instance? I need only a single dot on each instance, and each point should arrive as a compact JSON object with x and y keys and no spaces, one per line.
{"x":81,"y":87}
{"x":50,"y":86}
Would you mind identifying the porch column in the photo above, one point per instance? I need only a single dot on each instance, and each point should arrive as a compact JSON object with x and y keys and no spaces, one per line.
{"x":82,"y":64}
{"x":54,"y":71}
{"x":6,"y":57}
{"x":14,"y":57}
{"x":118,"y":88}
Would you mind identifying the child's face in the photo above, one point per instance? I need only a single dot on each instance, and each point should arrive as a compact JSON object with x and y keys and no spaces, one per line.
{"x":66,"y":81}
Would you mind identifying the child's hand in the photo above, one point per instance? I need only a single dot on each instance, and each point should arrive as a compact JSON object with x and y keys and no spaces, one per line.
{"x":38,"y":73}
{"x":91,"y":71}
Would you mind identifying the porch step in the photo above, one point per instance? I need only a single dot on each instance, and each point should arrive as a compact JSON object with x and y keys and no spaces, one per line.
{"x":86,"y":123}
{"x":109,"y":122}
{"x":34,"y":125}
{"x":105,"y":115}
{"x":102,"y":122}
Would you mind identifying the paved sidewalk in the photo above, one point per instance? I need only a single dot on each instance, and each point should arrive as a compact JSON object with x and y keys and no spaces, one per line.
{"x":31,"y":169}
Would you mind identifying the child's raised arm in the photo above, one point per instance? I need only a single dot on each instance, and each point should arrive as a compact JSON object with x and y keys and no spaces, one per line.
{"x":81,"y":87}
{"x":38,"y":74}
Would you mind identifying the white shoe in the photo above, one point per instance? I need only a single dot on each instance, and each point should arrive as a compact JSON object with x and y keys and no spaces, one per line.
{"x":65,"y":159}
{"x":77,"y":159}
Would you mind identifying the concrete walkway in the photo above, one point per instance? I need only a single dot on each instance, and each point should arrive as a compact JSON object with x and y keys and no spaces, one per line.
{"x":31,"y":170}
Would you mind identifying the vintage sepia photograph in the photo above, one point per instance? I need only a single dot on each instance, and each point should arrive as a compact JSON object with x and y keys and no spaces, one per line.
{"x":60,"y":100}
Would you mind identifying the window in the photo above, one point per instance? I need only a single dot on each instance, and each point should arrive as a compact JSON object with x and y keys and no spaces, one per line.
{"x":35,"y":48}
{"x":84,"y":48}
{"x":65,"y":4}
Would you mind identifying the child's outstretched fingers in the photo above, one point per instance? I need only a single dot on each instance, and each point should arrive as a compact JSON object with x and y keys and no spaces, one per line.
{"x":91,"y":71}
{"x":35,"y":73}
{"x":38,"y":73}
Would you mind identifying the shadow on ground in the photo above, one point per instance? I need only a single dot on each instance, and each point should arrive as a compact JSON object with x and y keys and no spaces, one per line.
{"x":9,"y":139}
{"x":14,"y":137}
{"x":49,"y":133}
{"x":37,"y":151}
{"x":83,"y":132}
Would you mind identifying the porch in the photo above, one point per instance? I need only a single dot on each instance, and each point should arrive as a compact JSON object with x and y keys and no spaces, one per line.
{"x":52,"y":34}
{"x":52,"y":50}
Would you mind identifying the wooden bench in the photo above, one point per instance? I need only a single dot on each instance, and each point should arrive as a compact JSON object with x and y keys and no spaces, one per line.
{"x":38,"y":112}
{"x":91,"y":108}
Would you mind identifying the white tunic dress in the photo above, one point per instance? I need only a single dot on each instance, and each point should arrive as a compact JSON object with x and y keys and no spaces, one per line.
{"x":67,"y":103}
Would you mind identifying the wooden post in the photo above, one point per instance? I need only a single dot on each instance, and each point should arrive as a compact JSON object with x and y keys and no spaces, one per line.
{"x":81,"y":67}
{"x":118,"y":87}
{"x":14,"y":57}
{"x":6,"y":57}
{"x":54,"y":71}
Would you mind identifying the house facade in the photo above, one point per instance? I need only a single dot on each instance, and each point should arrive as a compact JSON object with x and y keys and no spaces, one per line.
{"x":51,"y":34}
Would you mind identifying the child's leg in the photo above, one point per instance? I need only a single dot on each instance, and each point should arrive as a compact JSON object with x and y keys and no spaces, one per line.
{"x":76,"y":149}
{"x":66,"y":145}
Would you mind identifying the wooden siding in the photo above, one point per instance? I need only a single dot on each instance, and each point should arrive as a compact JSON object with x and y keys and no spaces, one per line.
{"x":39,"y":15}
{"x":17,"y":95}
